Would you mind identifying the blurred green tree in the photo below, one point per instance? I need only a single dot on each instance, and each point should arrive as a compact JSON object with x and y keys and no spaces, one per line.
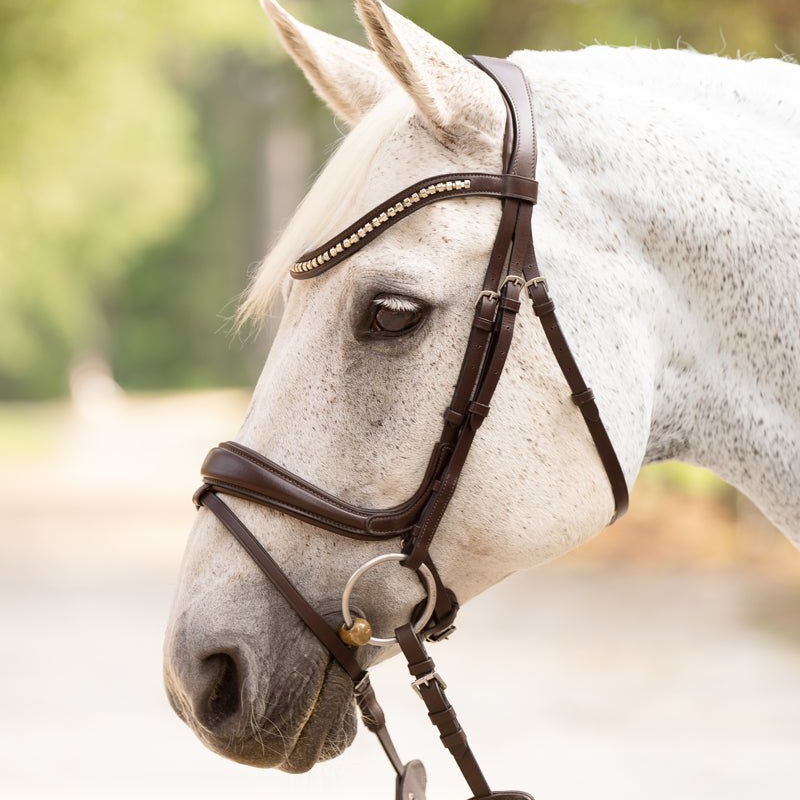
{"x":130,"y":137}
{"x":497,"y":27}
{"x":97,"y":162}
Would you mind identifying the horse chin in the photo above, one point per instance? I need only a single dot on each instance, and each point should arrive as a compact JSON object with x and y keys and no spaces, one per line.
{"x":325,"y":730}
{"x":330,"y":728}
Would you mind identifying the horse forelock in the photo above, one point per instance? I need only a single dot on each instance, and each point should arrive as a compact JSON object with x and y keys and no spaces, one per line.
{"x":329,"y":205}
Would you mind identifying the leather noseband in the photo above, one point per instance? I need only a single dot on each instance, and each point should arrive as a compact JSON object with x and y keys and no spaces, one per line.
{"x":512,"y":271}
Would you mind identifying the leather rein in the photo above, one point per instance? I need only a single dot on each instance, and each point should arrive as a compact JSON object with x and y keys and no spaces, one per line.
{"x":233,"y":469}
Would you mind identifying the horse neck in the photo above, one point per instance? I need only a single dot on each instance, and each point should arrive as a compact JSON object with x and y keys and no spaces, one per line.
{"x":671,"y":220}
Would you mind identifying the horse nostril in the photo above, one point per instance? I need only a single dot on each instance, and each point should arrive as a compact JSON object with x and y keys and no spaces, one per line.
{"x":223,"y":698}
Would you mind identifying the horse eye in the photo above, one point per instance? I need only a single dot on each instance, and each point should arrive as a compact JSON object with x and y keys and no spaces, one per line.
{"x":395,"y":320}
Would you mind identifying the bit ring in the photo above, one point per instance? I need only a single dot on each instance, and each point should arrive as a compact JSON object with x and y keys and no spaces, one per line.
{"x":427,"y":612}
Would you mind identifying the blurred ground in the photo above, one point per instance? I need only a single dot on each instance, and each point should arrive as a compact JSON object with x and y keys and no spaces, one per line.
{"x":662,"y":660}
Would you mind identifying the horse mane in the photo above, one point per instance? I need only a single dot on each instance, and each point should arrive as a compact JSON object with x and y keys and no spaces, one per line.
{"x":329,"y":205}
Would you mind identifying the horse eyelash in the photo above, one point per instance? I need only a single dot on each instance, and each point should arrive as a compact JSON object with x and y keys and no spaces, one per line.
{"x":393,"y":302}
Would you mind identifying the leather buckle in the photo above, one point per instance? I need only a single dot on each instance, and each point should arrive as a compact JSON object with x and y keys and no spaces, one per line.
{"x":482,"y":322}
{"x":431,"y":677}
{"x":493,"y":297}
{"x":441,"y":635}
{"x":519,"y":281}
{"x":486,"y":293}
{"x":536,"y":282}
{"x":547,"y":306}
{"x":582,"y":398}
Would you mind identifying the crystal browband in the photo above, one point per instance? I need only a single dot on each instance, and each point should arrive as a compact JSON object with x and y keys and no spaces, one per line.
{"x":380,"y":219}
{"x":442,"y":187}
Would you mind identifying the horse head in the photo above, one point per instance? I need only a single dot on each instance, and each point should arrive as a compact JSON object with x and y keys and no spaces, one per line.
{"x":352,"y":394}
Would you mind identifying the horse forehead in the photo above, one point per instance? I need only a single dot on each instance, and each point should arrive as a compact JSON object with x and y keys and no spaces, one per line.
{"x":409,"y":259}
{"x":431,"y":255}
{"x":408,"y":154}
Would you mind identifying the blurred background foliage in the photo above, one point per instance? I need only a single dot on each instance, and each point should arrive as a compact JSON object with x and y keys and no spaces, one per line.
{"x":150,"y":151}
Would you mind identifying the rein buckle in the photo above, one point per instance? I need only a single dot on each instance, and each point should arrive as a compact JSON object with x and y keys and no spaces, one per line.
{"x":536,"y":282}
{"x":442,"y":635}
{"x":488,"y":293}
{"x":434,"y":677}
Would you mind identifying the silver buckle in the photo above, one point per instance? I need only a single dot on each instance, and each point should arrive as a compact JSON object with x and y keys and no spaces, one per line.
{"x":486,"y":293}
{"x":512,"y":279}
{"x":440,"y":637}
{"x":535,"y":282}
{"x":426,"y":679}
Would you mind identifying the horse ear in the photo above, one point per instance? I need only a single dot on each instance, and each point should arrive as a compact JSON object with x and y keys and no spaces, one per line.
{"x":350,"y":79}
{"x":453,"y":96}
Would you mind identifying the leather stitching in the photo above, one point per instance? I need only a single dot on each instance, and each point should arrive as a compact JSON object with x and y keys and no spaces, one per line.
{"x":281,"y":503}
{"x":299,"y":484}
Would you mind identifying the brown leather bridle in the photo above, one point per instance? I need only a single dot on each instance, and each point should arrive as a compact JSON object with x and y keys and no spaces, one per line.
{"x":236,"y":470}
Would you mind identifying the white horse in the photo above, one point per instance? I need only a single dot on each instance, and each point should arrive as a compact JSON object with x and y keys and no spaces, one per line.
{"x":668,"y":228}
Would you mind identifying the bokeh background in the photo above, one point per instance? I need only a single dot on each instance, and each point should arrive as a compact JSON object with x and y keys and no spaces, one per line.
{"x":149,"y":153}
